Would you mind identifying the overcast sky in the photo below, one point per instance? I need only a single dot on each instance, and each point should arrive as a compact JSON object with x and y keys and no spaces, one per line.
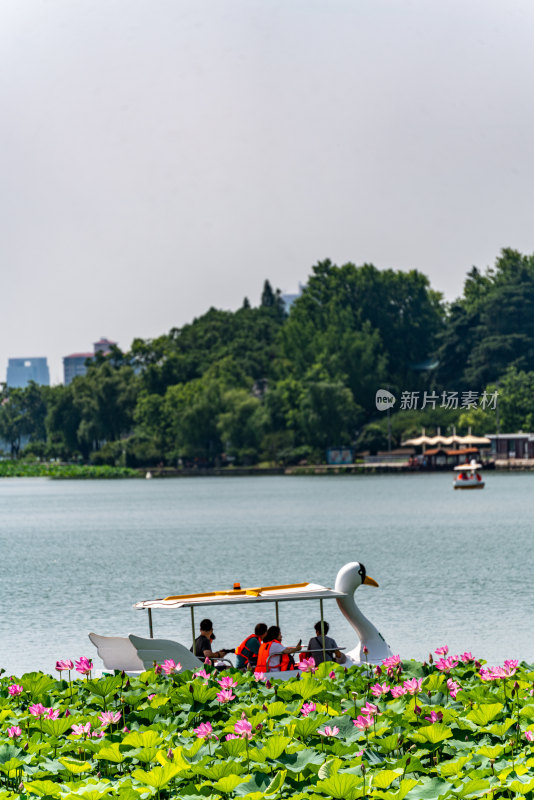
{"x":161,"y":157}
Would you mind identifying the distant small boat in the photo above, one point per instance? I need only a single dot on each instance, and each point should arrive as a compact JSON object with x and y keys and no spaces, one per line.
{"x":468,"y":476}
{"x":148,"y":476}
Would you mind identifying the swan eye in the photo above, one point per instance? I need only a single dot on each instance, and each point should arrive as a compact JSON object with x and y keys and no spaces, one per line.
{"x":362,"y":572}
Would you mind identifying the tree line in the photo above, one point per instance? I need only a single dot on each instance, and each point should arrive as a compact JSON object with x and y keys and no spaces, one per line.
{"x":262,"y":385}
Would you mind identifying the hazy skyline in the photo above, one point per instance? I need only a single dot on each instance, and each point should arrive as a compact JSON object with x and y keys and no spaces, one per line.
{"x":161,"y":158}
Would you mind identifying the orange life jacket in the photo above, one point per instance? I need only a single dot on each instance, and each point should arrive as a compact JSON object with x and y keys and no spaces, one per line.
{"x":244,"y":651}
{"x":262,"y":664}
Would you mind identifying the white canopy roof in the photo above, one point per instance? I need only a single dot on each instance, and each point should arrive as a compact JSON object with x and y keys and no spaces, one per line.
{"x":261,"y":594}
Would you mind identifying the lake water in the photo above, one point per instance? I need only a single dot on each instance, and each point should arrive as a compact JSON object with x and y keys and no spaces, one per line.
{"x":453,"y":567}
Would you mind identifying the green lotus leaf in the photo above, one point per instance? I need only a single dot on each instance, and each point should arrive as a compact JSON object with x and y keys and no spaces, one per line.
{"x":9,"y":767}
{"x":75,"y":766}
{"x":491,"y":752}
{"x":146,"y":755}
{"x":57,"y":727}
{"x":521,"y":787}
{"x":111,"y":752}
{"x":158,"y":777}
{"x":384,"y":778}
{"x":449,"y":769}
{"x":329,"y":768}
{"x":43,"y":788}
{"x":37,"y":685}
{"x":430,"y":789}
{"x":277,"y":709}
{"x":104,"y":686}
{"x":220,"y":769}
{"x":485,"y":713}
{"x":276,"y":783}
{"x":501,"y":728}
{"x":474,"y":788}
{"x":434,"y":733}
{"x":341,"y":786}
{"x":148,"y":738}
{"x":233,"y":747}
{"x":299,"y":761}
{"x":227,"y":783}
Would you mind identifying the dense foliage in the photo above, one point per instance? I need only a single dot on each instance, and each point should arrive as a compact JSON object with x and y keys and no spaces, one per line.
{"x":448,"y":729}
{"x":262,"y":385}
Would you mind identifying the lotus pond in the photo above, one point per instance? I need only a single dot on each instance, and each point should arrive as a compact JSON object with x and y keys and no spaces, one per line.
{"x":451,"y":727}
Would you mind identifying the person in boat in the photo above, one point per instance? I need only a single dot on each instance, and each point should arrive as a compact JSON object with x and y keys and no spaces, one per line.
{"x":315,"y":646}
{"x":247,"y":652}
{"x":272,"y":655}
{"x":203,"y":643}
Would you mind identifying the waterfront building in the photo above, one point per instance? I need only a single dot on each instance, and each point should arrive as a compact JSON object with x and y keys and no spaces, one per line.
{"x":75,"y":364}
{"x":20,"y":371}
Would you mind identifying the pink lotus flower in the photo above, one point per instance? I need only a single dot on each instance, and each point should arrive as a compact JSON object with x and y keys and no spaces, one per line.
{"x":227,"y":682}
{"x":466,"y":657}
{"x":435,"y":717}
{"x":80,"y":730}
{"x":109,"y":717}
{"x":84,"y":666}
{"x":496,"y":673}
{"x":446,"y":664}
{"x":225,"y":695}
{"x":15,"y":689}
{"x":53,"y":713}
{"x":328,"y":731}
{"x":370,"y":709}
{"x":97,"y":734}
{"x":170,"y":666}
{"x":231,"y":736}
{"x":151,"y":696}
{"x":243,"y":727}
{"x":413,"y":685}
{"x":528,"y":734}
{"x":14,"y":732}
{"x":259,"y":676}
{"x":204,"y":730}
{"x":37,"y":710}
{"x":392,"y":661}
{"x":453,"y":688}
{"x":201,"y":674}
{"x":332,"y":674}
{"x":307,"y":708}
{"x":380,"y":689}
{"x":64,"y":666}
{"x":362,"y":722}
{"x":398,"y":691}
{"x":441,"y":651}
{"x":307,"y":665}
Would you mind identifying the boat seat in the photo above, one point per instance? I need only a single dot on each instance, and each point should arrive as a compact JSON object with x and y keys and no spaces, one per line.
{"x":117,"y":652}
{"x":150,"y":650}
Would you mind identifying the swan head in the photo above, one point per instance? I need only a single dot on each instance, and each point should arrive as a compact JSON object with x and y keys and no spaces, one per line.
{"x":351,"y":576}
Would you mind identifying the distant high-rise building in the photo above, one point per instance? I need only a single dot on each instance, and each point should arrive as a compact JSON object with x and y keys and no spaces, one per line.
{"x":289,"y":298}
{"x":20,"y":371}
{"x":74,"y":364}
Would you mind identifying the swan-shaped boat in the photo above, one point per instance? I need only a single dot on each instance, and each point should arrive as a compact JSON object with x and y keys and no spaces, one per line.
{"x":468,"y":476}
{"x":371,"y":646}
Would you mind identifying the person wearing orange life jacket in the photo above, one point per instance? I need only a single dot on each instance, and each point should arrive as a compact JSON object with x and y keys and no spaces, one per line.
{"x":247,"y":652}
{"x":273,"y":656}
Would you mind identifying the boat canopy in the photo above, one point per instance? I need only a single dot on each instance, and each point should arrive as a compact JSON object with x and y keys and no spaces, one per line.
{"x":472,"y":466}
{"x":259,"y":594}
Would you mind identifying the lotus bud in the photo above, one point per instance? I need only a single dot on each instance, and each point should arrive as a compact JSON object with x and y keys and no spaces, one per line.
{"x":365,"y":649}
{"x":417,"y":710}
{"x":170,"y":754}
{"x":430,"y":658}
{"x":268,"y":684}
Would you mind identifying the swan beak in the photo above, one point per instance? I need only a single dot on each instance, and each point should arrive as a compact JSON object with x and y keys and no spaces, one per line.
{"x":370,"y":581}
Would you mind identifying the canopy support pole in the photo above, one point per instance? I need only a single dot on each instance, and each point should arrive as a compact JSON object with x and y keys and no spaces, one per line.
{"x":277,"y":618}
{"x":323,"y":635}
{"x":150,"y":628}
{"x":193,"y":628}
